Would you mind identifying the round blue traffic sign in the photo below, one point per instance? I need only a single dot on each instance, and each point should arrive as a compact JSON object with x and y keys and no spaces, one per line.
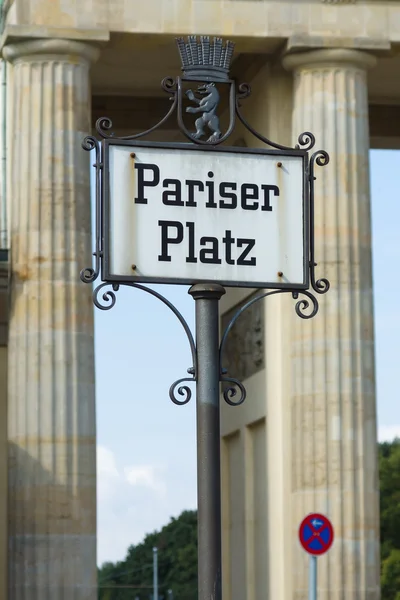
{"x":316,"y":534}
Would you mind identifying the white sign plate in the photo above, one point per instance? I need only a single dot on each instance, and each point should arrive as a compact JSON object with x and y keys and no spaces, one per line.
{"x":184,"y":215}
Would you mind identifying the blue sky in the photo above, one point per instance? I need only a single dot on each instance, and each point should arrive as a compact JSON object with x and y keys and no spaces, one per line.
{"x":146,"y":444}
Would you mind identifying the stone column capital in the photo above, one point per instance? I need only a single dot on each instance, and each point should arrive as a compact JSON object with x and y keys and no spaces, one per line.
{"x":45,"y":49}
{"x":334,"y":57}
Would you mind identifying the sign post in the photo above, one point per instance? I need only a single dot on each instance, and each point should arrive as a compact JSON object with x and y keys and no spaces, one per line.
{"x":312,"y":583}
{"x":316,"y":537}
{"x":208,"y":439}
{"x":208,"y":216}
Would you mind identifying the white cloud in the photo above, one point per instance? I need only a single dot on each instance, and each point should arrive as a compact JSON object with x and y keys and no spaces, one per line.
{"x":107,"y":475}
{"x":387,"y":433}
{"x":133,"y":500}
{"x":124,"y":495}
{"x":145,"y":476}
{"x":106,"y":466}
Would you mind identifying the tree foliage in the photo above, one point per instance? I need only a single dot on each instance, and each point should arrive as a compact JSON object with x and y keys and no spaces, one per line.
{"x":177,"y":565}
{"x":389,"y":468}
{"x":132,"y":578}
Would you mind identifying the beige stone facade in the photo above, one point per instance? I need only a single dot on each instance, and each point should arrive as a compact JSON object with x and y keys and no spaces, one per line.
{"x":305,"y":439}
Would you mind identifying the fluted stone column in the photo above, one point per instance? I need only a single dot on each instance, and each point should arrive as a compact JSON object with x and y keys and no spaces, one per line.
{"x":51,"y":422}
{"x":333,"y":411}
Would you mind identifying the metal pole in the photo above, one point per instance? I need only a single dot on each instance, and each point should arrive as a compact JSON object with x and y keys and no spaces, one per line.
{"x":207,"y":297}
{"x":312,"y":581}
{"x":155,"y":573}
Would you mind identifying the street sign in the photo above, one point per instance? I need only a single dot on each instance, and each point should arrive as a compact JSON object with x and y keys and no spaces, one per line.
{"x":206,"y":215}
{"x":316,"y":534}
{"x":176,"y":213}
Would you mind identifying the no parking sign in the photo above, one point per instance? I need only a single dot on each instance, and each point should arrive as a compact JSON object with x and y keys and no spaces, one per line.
{"x":316,"y":537}
{"x":316,"y":534}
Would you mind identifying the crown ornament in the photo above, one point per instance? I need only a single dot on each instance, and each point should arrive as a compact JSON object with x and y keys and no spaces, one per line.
{"x":205,"y":60}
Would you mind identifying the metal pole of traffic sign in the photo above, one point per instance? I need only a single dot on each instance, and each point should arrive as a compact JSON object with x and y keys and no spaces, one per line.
{"x":155,"y":573}
{"x":208,"y":439}
{"x":312,"y":583}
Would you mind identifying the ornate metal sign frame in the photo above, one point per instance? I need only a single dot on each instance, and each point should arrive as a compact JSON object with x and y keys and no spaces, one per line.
{"x":206,"y":63}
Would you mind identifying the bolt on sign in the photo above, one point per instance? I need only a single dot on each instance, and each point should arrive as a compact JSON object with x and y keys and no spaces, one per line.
{"x":183,"y":214}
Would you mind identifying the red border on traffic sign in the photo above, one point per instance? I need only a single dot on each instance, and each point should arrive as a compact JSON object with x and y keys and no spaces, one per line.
{"x":308,"y":533}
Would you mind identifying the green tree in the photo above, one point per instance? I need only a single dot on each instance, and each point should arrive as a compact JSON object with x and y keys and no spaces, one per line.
{"x":389,"y":472}
{"x":391,"y":576}
{"x":177,"y":544}
{"x":177,"y":564}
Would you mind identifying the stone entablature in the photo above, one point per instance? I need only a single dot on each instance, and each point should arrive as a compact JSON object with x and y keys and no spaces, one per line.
{"x":349,"y":20}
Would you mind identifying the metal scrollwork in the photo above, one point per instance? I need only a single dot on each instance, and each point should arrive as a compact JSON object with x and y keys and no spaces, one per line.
{"x":244,"y":90}
{"x":168,"y":84}
{"x":106,"y":301}
{"x":303,"y":304}
{"x":305,"y":141}
{"x":178,"y":315}
{"x":301,"y":307}
{"x":103,"y":125}
{"x":237,"y":315}
{"x":91,"y":143}
{"x":183,"y":390}
{"x":205,"y":66}
{"x":90,"y":274}
{"x":108,"y":297}
{"x":206,"y":63}
{"x":321,"y":158}
{"x":231,"y":391}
